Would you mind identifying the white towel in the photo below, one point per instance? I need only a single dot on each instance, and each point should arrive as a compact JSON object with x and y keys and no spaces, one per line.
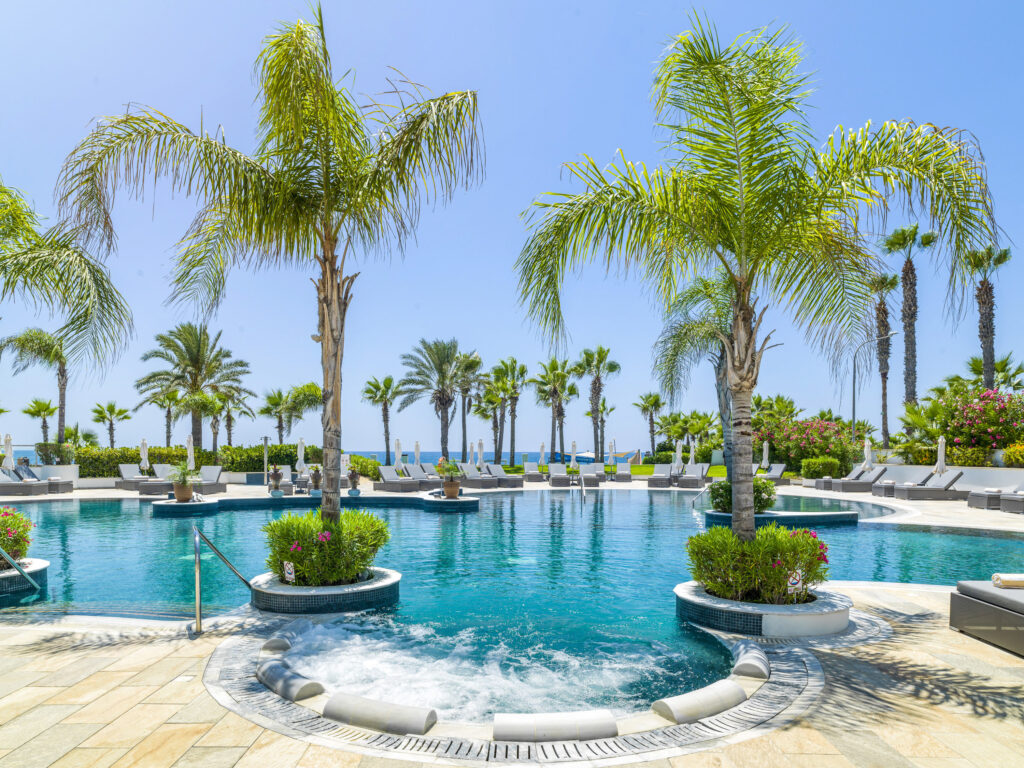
{"x":888,"y":482}
{"x":993,"y":490}
{"x":1008,"y":580}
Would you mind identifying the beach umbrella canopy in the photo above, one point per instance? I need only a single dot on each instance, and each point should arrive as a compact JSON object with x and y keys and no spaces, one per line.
{"x":692,"y":461}
{"x":143,"y":455}
{"x":573,"y":463}
{"x":416,"y":453}
{"x":398,"y":451}
{"x":472,"y":450}
{"x":190,"y":452}
{"x":764,"y":455}
{"x":868,"y":455}
{"x":8,"y":453}
{"x":300,"y":462}
{"x":940,"y":465}
{"x":480,"y":453}
{"x":677,"y":461}
{"x":611,"y":451}
{"x":541,"y":461}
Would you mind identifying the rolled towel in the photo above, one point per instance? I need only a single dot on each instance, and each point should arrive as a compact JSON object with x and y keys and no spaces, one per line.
{"x":993,"y":490}
{"x":1008,"y":580}
{"x":888,"y":482}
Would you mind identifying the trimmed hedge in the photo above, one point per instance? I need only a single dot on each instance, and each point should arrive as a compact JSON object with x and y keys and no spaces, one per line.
{"x":250,"y":458}
{"x":720,"y":495}
{"x":102,"y":462}
{"x":970,"y":456}
{"x":821,"y":466}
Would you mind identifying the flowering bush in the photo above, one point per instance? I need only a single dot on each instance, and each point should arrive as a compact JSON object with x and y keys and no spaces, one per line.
{"x":793,"y":441}
{"x":720,"y":494}
{"x":983,"y":418}
{"x":323,"y":552}
{"x":758,"y":571}
{"x":14,"y":534}
{"x":1013,"y":456}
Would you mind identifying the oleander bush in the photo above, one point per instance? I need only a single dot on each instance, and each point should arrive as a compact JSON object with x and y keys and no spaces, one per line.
{"x":720,"y":494}
{"x":791,"y":442}
{"x":758,"y":571}
{"x":819,"y":466}
{"x":985,"y":418}
{"x":969,"y":456}
{"x":15,"y":534}
{"x":325,"y":553}
{"x":55,"y":453}
{"x":1013,"y":456}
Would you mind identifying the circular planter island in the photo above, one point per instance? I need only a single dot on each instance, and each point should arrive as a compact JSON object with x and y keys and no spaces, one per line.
{"x":12,"y":582}
{"x":788,"y":519}
{"x":269,"y":593}
{"x":827,"y":614}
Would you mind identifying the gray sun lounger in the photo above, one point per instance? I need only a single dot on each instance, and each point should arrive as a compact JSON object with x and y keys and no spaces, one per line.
{"x":391,"y":482}
{"x":887,"y":488}
{"x":825,"y":483}
{"x":159,"y":485}
{"x":862,"y":484}
{"x":694,"y":476}
{"x":589,"y":475}
{"x":12,"y":485}
{"x":425,"y":483}
{"x":623,"y":473}
{"x":1012,"y":502}
{"x":504,"y":479}
{"x":990,"y":613}
{"x":774,"y":473}
{"x":991,"y":498}
{"x":532,"y":473}
{"x":558,"y":477}
{"x":661,"y":477}
{"x":131,"y":477}
{"x":53,"y":484}
{"x":209,"y":480}
{"x":938,"y":488}
{"x":473,"y":478}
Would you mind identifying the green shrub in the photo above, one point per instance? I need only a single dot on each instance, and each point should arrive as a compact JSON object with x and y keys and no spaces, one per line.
{"x":758,"y":571}
{"x":664,"y":457}
{"x":15,"y":530}
{"x":969,"y":456}
{"x":324,"y":552}
{"x":55,"y":453}
{"x":249,"y":458}
{"x":102,"y":462}
{"x":914,"y":452}
{"x":791,"y":442}
{"x":720,"y":494}
{"x":1013,"y":456}
{"x":366,"y":467}
{"x":820,"y":466}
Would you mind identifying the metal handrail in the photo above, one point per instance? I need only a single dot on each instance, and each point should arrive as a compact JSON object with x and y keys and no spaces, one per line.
{"x":693,"y":501}
{"x":196,"y":536}
{"x":20,"y":570}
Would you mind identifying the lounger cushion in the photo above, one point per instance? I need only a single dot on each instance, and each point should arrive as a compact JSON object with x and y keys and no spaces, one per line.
{"x":1010,"y":599}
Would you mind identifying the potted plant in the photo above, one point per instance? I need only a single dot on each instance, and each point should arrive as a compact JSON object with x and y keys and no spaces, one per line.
{"x":450,"y":475}
{"x":315,"y":476}
{"x":181,"y":478}
{"x":275,"y":477}
{"x":353,"y":482}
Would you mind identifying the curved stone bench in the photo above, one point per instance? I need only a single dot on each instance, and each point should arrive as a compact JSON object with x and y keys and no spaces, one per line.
{"x":285,"y":682}
{"x":555,"y":726}
{"x":693,"y":706}
{"x":750,"y":660}
{"x":283,"y":639}
{"x":269,"y":594}
{"x":379,"y":715}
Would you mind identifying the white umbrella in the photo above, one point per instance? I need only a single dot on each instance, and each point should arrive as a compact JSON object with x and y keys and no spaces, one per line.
{"x":190,"y":453}
{"x":8,"y":453}
{"x":416,"y":453}
{"x":480,"y":453}
{"x":300,"y":462}
{"x":472,"y":450}
{"x":868,"y":456}
{"x":764,"y":455}
{"x":573,"y":463}
{"x":611,"y":451}
{"x":541,"y":454}
{"x":143,"y":455}
{"x":940,"y":464}
{"x":398,"y":451}
{"x":692,"y":461}
{"x":677,"y":461}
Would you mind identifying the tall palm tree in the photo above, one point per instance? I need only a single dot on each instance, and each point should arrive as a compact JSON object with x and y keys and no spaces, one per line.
{"x":603,"y":412}
{"x":35,"y":346}
{"x":42,"y":410}
{"x":515,"y":375}
{"x":167,"y":401}
{"x":469,"y":382}
{"x":650,"y":405}
{"x":110,"y":415}
{"x":750,"y":193}
{"x":499,"y":387}
{"x":331,"y":181}
{"x":51,"y":270}
{"x":487,"y":405}
{"x":881,"y":286}
{"x":432,"y":374}
{"x":197,"y":365}
{"x":552,"y":386}
{"x":598,"y":365}
{"x":276,"y":406}
{"x":982,"y":264}
{"x":1008,"y":375}
{"x":383,"y":393}
{"x":902,"y":241}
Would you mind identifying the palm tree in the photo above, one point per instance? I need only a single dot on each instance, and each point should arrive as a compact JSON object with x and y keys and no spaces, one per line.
{"x":79,"y":438}
{"x":902,"y":241}
{"x":434,"y":374}
{"x":51,"y":270}
{"x":469,"y":382}
{"x":881,"y":286}
{"x":487,"y":406}
{"x":276,"y":406}
{"x":330,"y":181}
{"x":35,"y":346}
{"x":650,"y":405}
{"x":303,"y":399}
{"x":515,"y":376}
{"x":982,"y":264}
{"x":598,"y":365}
{"x":603,"y":412}
{"x":552,"y":386}
{"x":235,"y":403}
{"x":197,"y":365}
{"x":750,"y":193}
{"x":42,"y":410}
{"x":499,"y":388}
{"x":167,"y":401}
{"x":110,"y":414}
{"x":1008,"y":375}
{"x":383,"y":393}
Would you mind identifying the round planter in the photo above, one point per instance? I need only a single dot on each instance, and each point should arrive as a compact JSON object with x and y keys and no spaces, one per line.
{"x":270,"y":594}
{"x":451,"y":489}
{"x":788,"y":519}
{"x":353,"y":491}
{"x":173,"y":508}
{"x":828,"y":614}
{"x":182,"y":493}
{"x":12,"y":582}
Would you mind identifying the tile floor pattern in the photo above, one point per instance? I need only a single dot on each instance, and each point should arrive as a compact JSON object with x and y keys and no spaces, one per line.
{"x":93,"y":697}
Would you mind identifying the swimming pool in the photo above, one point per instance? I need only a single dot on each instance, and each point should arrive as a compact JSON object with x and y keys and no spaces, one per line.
{"x":535,"y":602}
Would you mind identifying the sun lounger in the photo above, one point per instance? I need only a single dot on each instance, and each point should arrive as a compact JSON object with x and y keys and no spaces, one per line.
{"x":429,"y":469}
{"x":558,"y":477}
{"x":862,"y":484}
{"x":532,"y":473}
{"x":774,"y":474}
{"x":825,"y":483}
{"x":1012,"y":502}
{"x":938,"y":488}
{"x":473,"y":478}
{"x":623,"y":473}
{"x":990,"y":613}
{"x":53,"y":484}
{"x":425,"y":483}
{"x":391,"y":482}
{"x":209,"y":481}
{"x":887,"y":487}
{"x":694,"y":476}
{"x":160,"y":485}
{"x":661,"y":477}
{"x":504,"y":479}
{"x":991,"y":498}
{"x":601,"y":472}
{"x":131,"y":476}
{"x":12,"y":485}
{"x":589,"y":475}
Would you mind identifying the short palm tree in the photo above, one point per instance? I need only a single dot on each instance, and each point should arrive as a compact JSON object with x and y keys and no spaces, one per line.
{"x":330,"y":182}
{"x":903,"y":241}
{"x":433,"y":375}
{"x":197,"y":365}
{"x":515,"y":375}
{"x":650,"y":406}
{"x":750,"y":193}
{"x":982,"y":264}
{"x":276,"y":406}
{"x":1008,"y":375}
{"x":881,"y":286}
{"x":167,"y":401}
{"x":383,"y":393}
{"x":80,"y":438}
{"x":487,"y":406}
{"x":598,"y":365}
{"x":35,"y":346}
{"x":469,"y":383}
{"x":303,"y":399}
{"x":110,"y":415}
{"x":42,"y":410}
{"x":236,"y":404}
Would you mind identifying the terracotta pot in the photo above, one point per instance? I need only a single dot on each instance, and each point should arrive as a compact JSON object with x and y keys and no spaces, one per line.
{"x":182,"y":493}
{"x":451,"y":489}
{"x":315,"y":477}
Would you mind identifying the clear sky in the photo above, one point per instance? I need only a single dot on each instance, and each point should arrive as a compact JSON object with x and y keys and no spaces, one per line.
{"x":555,"y":79}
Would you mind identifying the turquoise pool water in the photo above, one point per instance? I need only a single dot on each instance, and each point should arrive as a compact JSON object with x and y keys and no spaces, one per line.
{"x":534,"y":602}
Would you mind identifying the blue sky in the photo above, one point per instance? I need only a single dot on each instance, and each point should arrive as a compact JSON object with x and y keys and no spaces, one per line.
{"x":555,"y":80}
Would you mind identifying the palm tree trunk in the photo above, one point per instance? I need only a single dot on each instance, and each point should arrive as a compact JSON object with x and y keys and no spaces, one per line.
{"x":724,"y":412}
{"x":46,"y":430}
{"x":465,"y":408}
{"x":280,"y":430}
{"x":110,"y":433}
{"x":499,"y":446}
{"x":167,"y":426}
{"x":909,"y":317}
{"x":62,"y":391}
{"x":513,"y":402}
{"x":214,"y":432}
{"x":595,"y":416}
{"x":229,"y":423}
{"x":197,"y":430}
{"x":884,"y":346}
{"x":650,"y":428}
{"x":554,"y":426}
{"x":445,"y":418}
{"x":603,"y":421}
{"x":496,"y":437}
{"x":561,"y":431}
{"x":387,"y":434}
{"x":985,"y":295}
